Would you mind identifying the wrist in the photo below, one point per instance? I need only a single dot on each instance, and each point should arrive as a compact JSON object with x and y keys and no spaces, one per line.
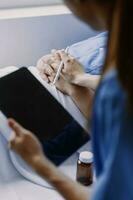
{"x":37,"y":162}
{"x":72,"y":90}
{"x":78,"y":90}
{"x":43,"y":167}
{"x":77,"y":78}
{"x":83,"y":99}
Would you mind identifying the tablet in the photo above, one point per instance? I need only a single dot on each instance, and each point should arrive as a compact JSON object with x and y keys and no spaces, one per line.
{"x":25,"y":99}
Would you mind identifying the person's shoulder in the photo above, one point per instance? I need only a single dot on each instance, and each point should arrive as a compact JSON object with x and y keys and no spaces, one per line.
{"x":110,"y":87}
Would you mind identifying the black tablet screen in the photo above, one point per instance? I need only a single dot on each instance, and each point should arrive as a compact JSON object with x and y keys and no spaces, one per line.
{"x":24,"y":98}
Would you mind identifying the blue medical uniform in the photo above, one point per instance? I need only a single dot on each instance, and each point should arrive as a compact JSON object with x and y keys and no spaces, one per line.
{"x":112,"y":141}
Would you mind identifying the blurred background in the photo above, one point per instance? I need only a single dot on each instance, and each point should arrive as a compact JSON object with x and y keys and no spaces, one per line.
{"x":31,"y":28}
{"x":25,"y":3}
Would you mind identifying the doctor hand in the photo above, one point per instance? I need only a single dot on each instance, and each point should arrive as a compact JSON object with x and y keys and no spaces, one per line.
{"x":28,"y":147}
{"x":25,"y":144}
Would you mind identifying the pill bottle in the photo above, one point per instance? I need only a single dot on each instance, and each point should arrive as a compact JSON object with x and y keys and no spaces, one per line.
{"x":84,"y":168}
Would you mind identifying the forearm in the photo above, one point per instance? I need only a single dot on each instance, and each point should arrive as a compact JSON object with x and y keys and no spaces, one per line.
{"x":87,"y":80}
{"x":83,"y":98}
{"x":69,"y":189}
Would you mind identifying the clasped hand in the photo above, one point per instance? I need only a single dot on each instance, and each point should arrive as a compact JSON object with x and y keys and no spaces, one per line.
{"x":48,"y":66}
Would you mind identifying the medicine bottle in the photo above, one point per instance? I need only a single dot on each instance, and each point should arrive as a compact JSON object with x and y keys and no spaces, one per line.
{"x":84,"y":168}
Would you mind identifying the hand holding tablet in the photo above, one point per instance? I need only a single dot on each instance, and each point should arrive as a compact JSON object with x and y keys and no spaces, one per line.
{"x":19,"y":164}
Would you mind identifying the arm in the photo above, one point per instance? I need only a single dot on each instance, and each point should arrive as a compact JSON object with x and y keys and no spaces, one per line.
{"x":34,"y":156}
{"x":87,"y":80}
{"x":73,"y":71}
{"x":81,"y":96}
{"x":69,"y":189}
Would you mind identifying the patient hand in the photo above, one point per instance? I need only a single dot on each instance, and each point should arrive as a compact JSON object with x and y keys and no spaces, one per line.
{"x":25,"y":144}
{"x":72,"y":68}
{"x":47,"y":66}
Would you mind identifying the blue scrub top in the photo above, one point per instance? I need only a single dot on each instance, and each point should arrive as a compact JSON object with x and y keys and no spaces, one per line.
{"x":112,"y":141}
{"x":91,"y":53}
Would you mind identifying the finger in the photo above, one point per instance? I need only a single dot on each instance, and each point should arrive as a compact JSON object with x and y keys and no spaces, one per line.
{"x":17,"y":128}
{"x":51,"y":79}
{"x":56,"y":55}
{"x":53,"y":51}
{"x":44,"y":77}
{"x":48,"y":69}
{"x":13,"y":139}
{"x":45,"y":60}
{"x":56,"y":58}
{"x":16,"y":143}
{"x":60,"y":80}
{"x":55,"y":66}
{"x":11,"y":144}
{"x":65,"y":57}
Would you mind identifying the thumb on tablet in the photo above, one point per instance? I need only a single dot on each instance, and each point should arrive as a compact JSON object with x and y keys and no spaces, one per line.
{"x":17,"y":128}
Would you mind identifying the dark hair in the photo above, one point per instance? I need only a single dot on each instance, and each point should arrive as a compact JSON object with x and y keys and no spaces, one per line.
{"x":120,"y":43}
{"x":120,"y":40}
{"x":124,"y":61}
